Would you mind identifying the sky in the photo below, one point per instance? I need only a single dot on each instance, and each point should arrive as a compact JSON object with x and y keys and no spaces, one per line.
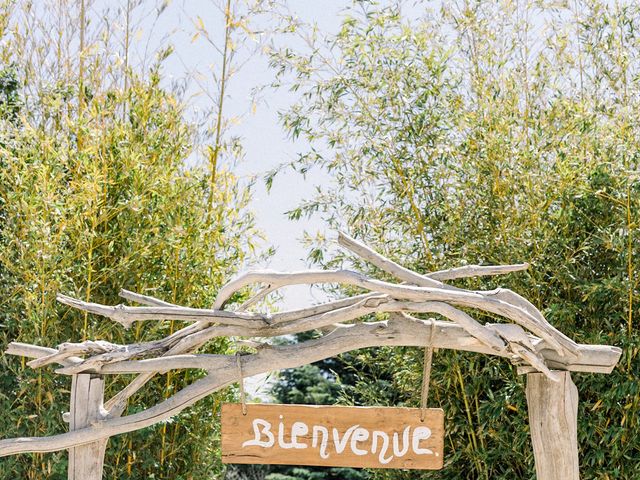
{"x":264,"y":141}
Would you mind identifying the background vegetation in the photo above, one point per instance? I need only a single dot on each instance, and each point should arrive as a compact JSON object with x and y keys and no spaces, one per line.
{"x":96,"y":195}
{"x":486,"y":132}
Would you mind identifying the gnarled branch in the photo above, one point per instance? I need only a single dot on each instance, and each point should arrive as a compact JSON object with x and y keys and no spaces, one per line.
{"x":530,"y":342}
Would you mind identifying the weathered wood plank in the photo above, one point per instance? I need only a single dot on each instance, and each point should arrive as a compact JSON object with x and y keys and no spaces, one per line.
{"x":553,"y":417}
{"x":373,"y":437}
{"x":87,"y":394}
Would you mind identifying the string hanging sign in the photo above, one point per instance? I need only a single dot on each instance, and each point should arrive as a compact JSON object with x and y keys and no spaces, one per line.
{"x":373,"y":437}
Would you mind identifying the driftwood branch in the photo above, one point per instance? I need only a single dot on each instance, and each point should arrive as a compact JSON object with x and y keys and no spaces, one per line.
{"x":528,"y":340}
{"x":494,"y":302}
{"x":222,"y":372}
{"x":144,"y":299}
{"x":427,"y":280}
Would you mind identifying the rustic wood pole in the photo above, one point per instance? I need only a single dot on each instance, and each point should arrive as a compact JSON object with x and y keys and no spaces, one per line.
{"x":553,"y":417}
{"x":87,"y":394}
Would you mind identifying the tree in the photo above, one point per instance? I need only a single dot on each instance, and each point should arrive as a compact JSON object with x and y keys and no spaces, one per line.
{"x":476,"y":135}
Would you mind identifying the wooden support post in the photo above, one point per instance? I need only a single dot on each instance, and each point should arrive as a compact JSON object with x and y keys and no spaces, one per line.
{"x":87,"y":395}
{"x":553,"y":417}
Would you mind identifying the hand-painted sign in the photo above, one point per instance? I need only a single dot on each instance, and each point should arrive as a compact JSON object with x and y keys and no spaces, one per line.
{"x":372,"y":437}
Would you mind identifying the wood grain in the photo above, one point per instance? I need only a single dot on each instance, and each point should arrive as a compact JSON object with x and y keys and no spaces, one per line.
{"x":553,"y":416}
{"x":86,"y":461}
{"x":372,"y":437}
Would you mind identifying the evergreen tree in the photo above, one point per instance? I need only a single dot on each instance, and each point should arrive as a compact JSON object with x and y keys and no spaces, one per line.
{"x":319,"y":383}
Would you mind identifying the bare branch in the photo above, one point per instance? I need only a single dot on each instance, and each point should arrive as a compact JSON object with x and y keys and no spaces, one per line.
{"x":69,"y":349}
{"x":144,"y":299}
{"x":429,"y":279}
{"x":402,"y":331}
{"x":257,"y":297}
{"x":127,"y":315}
{"x":385,"y":264}
{"x":35,"y":351}
{"x":476,"y":271}
{"x":454,"y":296}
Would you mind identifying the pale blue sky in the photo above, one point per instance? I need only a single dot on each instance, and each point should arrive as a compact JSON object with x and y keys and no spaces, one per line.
{"x":263,"y":139}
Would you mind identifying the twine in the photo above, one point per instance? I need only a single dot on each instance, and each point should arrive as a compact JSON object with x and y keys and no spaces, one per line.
{"x":243,"y":398}
{"x":426,"y":372}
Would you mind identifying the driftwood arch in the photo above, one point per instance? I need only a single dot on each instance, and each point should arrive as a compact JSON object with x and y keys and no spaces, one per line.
{"x":543,"y":353}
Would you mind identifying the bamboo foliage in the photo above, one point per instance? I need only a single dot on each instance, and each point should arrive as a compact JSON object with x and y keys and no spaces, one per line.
{"x":485,"y":132}
{"x":94,"y":187}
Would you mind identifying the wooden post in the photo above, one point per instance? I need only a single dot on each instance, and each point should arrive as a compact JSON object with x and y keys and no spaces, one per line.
{"x":553,"y":417}
{"x":87,"y":395}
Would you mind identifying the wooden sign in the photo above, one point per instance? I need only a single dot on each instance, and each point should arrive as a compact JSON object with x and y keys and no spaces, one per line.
{"x":372,"y":437}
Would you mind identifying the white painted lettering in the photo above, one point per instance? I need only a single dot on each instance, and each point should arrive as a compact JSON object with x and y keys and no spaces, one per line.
{"x":405,"y":443}
{"x":323,"y":443}
{"x":342,"y":444}
{"x":361,"y":441}
{"x":385,"y":445}
{"x":281,"y":442}
{"x":359,"y":435}
{"x":421,"y":433}
{"x":257,"y":432}
{"x":299,"y":429}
